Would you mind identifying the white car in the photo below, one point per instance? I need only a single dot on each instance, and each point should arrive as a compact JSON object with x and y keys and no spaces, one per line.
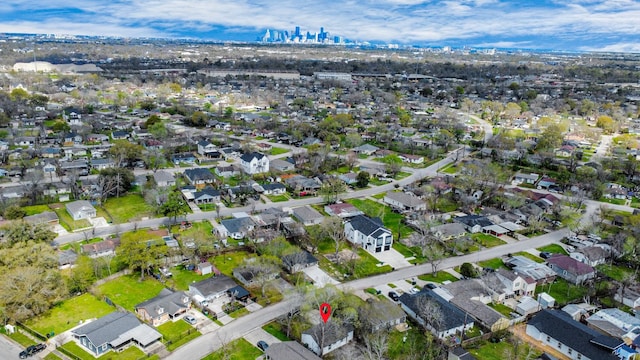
{"x":190,"y":319}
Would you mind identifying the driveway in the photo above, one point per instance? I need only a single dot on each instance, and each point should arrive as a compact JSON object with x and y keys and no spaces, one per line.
{"x":392,"y":258}
{"x":319,"y":277}
{"x":259,"y":334}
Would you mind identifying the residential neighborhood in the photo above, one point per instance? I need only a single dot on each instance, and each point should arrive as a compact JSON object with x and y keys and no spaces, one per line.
{"x":445,"y":207}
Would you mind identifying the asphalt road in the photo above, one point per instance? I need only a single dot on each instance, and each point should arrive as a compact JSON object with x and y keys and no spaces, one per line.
{"x":207,"y":343}
{"x":9,"y":349}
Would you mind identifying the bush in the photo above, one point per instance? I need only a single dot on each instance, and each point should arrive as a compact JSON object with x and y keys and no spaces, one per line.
{"x":467,"y":269}
{"x":14,"y":212}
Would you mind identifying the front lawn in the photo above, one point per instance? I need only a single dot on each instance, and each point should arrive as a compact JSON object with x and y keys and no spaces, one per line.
{"x":177,"y":333}
{"x":440,"y":277}
{"x":502,"y":350}
{"x":67,"y":221}
{"x":127,"y":208}
{"x":406,"y":251}
{"x":487,"y":240}
{"x":278,"y":198}
{"x":69,"y":314}
{"x":275,"y":329}
{"x":197,"y":229}
{"x":229,"y":261}
{"x":391,"y":220}
{"x":493,"y":264}
{"x":278,"y":151}
{"x":239,"y":349}
{"x":131,"y":353}
{"x":530,"y":256}
{"x":553,"y":248}
{"x":128,"y":291}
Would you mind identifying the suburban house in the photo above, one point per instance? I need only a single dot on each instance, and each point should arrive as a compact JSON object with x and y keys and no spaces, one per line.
{"x":205,"y":148}
{"x":307,"y":215}
{"x":541,"y":273}
{"x":199,"y":176}
{"x":404,"y":201}
{"x":459,"y":353}
{"x":81,"y":209}
{"x":520,"y":178}
{"x":472,"y":297}
{"x":187,"y":158}
{"x":369,"y":233}
{"x":448,"y":231}
{"x":101,"y":248}
{"x":629,"y":296}
{"x":164,"y":178}
{"x":274,"y":189}
{"x":326,"y":337}
{"x":297,"y":261}
{"x":571,"y":269}
{"x":289,"y":350}
{"x":473,"y":223}
{"x":342,"y":210}
{"x":246,"y":275}
{"x":349,"y":178}
{"x":166,"y":306}
{"x":411,"y":159}
{"x":365,"y":149}
{"x":45,"y":217}
{"x":207,"y":195}
{"x":379,"y":315}
{"x":507,"y":284}
{"x":417,"y":306}
{"x":281,"y":165}
{"x":216,"y":287}
{"x":590,"y":255}
{"x":227,"y":171}
{"x":254,"y":163}
{"x":113,"y":332}
{"x":237,"y":228}
{"x":613,"y":322}
{"x":556,"y":329}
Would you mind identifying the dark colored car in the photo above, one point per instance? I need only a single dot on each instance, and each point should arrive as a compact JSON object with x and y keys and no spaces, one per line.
{"x":262,"y":345}
{"x":545,"y":255}
{"x":393,"y":296}
{"x":32,"y":350}
{"x":432,"y":286}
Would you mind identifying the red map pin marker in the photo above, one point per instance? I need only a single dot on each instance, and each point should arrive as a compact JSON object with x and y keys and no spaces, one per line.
{"x":325,"y":311}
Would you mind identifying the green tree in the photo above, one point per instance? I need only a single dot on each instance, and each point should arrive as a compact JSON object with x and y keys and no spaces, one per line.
{"x":14,"y":212}
{"x":363,"y":178}
{"x":550,"y":138}
{"x":606,"y":123}
{"x":198,"y":119}
{"x":331,"y":188}
{"x":467,"y":269}
{"x":174,"y":206}
{"x":124,"y":151}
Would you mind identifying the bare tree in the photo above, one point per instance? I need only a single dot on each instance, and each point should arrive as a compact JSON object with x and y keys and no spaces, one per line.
{"x":430,"y":312}
{"x":376,"y":345}
{"x":331,"y":227}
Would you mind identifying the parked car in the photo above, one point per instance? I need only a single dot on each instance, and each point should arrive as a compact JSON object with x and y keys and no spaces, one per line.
{"x":262,"y":345}
{"x":432,"y":286}
{"x":414,"y":290}
{"x":393,"y":296}
{"x":166,"y":272}
{"x":32,"y":350}
{"x":190,"y":319}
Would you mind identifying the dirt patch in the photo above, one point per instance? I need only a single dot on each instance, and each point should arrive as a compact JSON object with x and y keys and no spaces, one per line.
{"x":159,"y":232}
{"x":343,"y":256}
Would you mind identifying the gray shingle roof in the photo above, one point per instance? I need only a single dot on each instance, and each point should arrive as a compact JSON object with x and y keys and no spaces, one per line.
{"x":290,"y":350}
{"x":366,"y":225}
{"x":110,"y":327}
{"x":250,"y":156}
{"x":452,"y":317}
{"x":170,"y":302}
{"x":214,"y":285}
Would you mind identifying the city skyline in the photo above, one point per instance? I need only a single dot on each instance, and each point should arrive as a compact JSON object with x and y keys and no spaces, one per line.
{"x":572,"y":25}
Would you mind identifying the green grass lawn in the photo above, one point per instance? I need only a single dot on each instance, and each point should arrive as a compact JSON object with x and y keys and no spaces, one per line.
{"x":177,"y":333}
{"x":401,"y":175}
{"x":502,"y":309}
{"x":35,"y":209}
{"x":275,"y":329}
{"x":530,"y":256}
{"x":563,"y":291}
{"x":407,"y":251}
{"x":197,"y":229}
{"x":52,"y":356}
{"x":128,"y":291}
{"x":278,"y":198}
{"x":493,"y":264}
{"x":239,"y":313}
{"x":69,"y":313}
{"x":440,"y":277}
{"x":449,"y":169}
{"x":553,"y":248}
{"x":615,"y":272}
{"x":20,"y":338}
{"x":182,"y":278}
{"x":390,"y":219}
{"x":501,"y":350}
{"x":239,"y":349}
{"x":128,"y":208}
{"x":487,"y":240}
{"x":278,"y":151}
{"x":131,"y":353}
{"x":67,"y":221}
{"x":229,"y":261}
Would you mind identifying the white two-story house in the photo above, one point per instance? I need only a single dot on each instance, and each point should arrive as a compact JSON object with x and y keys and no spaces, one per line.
{"x":254,"y":163}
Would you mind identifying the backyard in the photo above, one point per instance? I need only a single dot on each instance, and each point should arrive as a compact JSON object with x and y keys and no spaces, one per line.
{"x":128,"y":291}
{"x":563,"y":291}
{"x":229,"y":261}
{"x":69,"y":313}
{"x":182,"y":278}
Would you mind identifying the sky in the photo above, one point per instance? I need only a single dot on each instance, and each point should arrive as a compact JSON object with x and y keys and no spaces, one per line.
{"x":564,"y":25}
